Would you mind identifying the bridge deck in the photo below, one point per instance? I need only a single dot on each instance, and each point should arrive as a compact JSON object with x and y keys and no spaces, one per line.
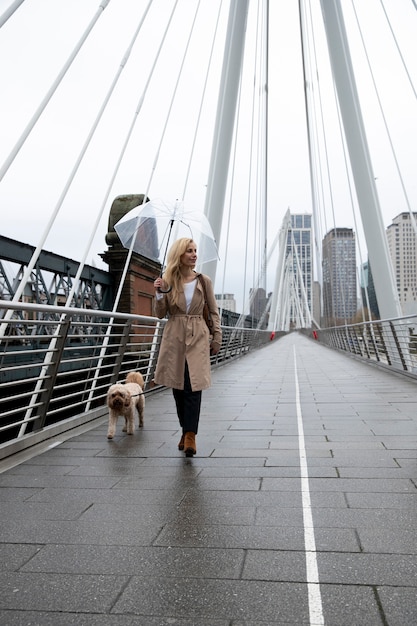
{"x":130,"y":532}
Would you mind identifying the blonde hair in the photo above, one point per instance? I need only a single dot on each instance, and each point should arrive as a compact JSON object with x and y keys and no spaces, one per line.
{"x":172,"y":275}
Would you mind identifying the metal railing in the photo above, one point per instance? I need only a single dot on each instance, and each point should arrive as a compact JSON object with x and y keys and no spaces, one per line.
{"x":56,"y":365}
{"x":389,"y":343}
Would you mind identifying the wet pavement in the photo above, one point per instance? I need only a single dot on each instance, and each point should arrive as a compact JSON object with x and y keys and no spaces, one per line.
{"x":300,"y":506}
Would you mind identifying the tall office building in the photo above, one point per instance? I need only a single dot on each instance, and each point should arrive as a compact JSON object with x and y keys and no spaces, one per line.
{"x":368,"y":294}
{"x":299,"y":249}
{"x":339,"y":276}
{"x":402,"y":243}
{"x":226,"y":301}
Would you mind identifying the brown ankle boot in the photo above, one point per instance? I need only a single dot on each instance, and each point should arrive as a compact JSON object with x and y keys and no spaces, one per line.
{"x":189,"y":444}
{"x":181,"y":442}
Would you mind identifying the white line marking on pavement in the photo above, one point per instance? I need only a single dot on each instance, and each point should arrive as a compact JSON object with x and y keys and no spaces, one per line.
{"x":312,"y":573}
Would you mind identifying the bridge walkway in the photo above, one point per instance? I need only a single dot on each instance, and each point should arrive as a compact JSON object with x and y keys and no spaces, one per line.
{"x":299,"y":508}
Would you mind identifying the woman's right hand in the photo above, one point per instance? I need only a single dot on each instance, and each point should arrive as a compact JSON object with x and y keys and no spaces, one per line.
{"x":159,"y":284}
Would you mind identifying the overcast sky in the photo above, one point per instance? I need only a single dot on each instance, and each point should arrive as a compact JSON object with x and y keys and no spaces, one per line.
{"x":37,"y":40}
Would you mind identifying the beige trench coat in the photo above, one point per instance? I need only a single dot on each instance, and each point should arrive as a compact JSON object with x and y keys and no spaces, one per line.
{"x":186,"y":338}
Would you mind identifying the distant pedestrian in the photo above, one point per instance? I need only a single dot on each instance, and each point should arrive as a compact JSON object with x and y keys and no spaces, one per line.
{"x":184,"y":355}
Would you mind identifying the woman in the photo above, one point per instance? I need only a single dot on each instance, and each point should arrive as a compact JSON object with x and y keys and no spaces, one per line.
{"x":184,"y":355}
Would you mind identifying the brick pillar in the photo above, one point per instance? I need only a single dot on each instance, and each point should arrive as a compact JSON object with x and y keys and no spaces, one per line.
{"x":138,"y":291}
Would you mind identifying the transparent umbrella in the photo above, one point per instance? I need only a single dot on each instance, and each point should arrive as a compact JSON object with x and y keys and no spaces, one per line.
{"x":153,"y":225}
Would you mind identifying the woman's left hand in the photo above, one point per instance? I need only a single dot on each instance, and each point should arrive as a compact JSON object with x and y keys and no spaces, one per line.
{"x":214,"y":348}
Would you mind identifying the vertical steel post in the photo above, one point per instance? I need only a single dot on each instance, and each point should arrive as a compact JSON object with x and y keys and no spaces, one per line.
{"x":226,"y":113}
{"x":360,"y":161}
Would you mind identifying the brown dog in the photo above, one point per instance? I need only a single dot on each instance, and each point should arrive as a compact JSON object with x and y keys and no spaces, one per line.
{"x":123,"y":400}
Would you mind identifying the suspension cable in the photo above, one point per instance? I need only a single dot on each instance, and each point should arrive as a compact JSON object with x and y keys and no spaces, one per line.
{"x":15,"y":150}
{"x":203,"y":96}
{"x":399,"y":50}
{"x":381,"y":109}
{"x":9,"y":12}
{"x":158,"y":150}
{"x":38,"y":250}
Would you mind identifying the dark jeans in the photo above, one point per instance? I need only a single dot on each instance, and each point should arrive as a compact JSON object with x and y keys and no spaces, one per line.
{"x":188,"y":404}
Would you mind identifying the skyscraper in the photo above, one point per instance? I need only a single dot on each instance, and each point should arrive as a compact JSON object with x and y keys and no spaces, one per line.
{"x":368,"y":294}
{"x":339,"y":276}
{"x":299,"y":254}
{"x":402,"y":243}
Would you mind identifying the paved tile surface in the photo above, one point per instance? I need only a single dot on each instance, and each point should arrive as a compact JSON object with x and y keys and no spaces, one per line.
{"x":299,"y":508}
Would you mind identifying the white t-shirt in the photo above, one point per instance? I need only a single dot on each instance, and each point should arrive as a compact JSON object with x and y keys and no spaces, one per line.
{"x":189,"y":292}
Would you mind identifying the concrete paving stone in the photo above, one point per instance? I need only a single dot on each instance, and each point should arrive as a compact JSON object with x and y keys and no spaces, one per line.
{"x":202,"y":462}
{"x":78,"y":532}
{"x":42,"y":511}
{"x":351,"y":485}
{"x":367,"y":569}
{"x":263,"y":427}
{"x":161,"y":452}
{"x":348,"y":605}
{"x":144,"y":437}
{"x":377,"y":472}
{"x":275,"y":565}
{"x":220,"y":514}
{"x":144,"y":514}
{"x":13,"y":494}
{"x":292,"y":460}
{"x":232,"y":600}
{"x":382,"y":500}
{"x":139,"y":561}
{"x":399,"y":443}
{"x":231,"y":537}
{"x":121,"y":496}
{"x":282,"y":443}
{"x":117,"y":469}
{"x":270,"y":453}
{"x":227,"y":483}
{"x":350,"y":437}
{"x":59,"y":592}
{"x":334,"y":568}
{"x":367,"y":458}
{"x":402,"y":429}
{"x":58,"y":454}
{"x":255,"y":537}
{"x":399,"y":605}
{"x":333,"y":411}
{"x":331,"y":429}
{"x":404,"y":454}
{"x":281,"y":484}
{"x":13,"y":557}
{"x":58,"y":462}
{"x":194,"y":497}
{"x":85,"y":446}
{"x":155,"y":483}
{"x":276,"y":622}
{"x":336,"y":539}
{"x":52,"y":618}
{"x":368,"y":518}
{"x":328,"y":499}
{"x":409,"y":465}
{"x":279,"y":516}
{"x":269,"y":472}
{"x":64,"y":482}
{"x":121,"y":470}
{"x":249,"y":440}
{"x":397,"y":540}
{"x":28,"y":469}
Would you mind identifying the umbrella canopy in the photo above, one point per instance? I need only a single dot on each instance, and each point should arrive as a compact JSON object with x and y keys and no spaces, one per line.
{"x":154,"y":225}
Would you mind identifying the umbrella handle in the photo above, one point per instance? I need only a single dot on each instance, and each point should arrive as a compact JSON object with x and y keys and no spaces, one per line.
{"x":171,"y":224}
